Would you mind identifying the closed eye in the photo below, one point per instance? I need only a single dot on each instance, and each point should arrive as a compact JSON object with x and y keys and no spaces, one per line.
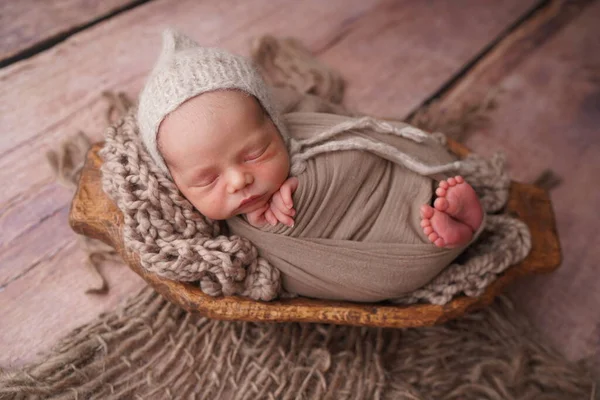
{"x":206,"y":181}
{"x":255,"y":154}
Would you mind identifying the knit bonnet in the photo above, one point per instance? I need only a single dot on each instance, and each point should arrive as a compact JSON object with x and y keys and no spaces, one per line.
{"x":185,"y":70}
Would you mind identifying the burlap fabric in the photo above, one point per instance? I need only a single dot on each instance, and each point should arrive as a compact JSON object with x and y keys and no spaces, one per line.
{"x":151,"y":349}
{"x":176,"y":242}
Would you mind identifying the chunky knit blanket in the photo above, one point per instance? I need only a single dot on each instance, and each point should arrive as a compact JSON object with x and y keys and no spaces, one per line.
{"x":176,"y":242}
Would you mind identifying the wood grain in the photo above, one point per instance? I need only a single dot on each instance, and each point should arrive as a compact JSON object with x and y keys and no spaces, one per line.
{"x":27,"y":24}
{"x":394,"y":59}
{"x":548,"y":116}
{"x":510,"y":53}
{"x":95,"y":215}
{"x":51,"y":96}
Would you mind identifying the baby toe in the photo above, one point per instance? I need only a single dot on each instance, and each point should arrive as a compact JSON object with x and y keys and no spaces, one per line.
{"x":459,"y":179}
{"x":451,"y":181}
{"x":440,"y":204}
{"x":433,"y":237}
{"x":428,"y":230}
{"x":443,"y":184}
{"x":439,"y":242}
{"x":426,"y":211}
{"x":440,"y":192}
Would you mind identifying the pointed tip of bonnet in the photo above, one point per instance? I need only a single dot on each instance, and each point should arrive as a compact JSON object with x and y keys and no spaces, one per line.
{"x":173,"y":42}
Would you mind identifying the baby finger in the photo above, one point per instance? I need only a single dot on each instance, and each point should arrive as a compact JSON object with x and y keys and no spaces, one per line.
{"x":277,"y":202}
{"x":270,"y":217}
{"x":281,"y":217}
{"x":286,"y":191}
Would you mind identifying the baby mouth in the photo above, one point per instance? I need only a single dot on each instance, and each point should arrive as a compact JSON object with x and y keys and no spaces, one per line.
{"x":250,"y":201}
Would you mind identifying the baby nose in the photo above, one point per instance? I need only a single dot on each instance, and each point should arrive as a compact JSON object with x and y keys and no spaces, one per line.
{"x":239,"y":180}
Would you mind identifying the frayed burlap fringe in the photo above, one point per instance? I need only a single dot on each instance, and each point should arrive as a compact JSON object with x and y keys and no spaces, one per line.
{"x":151,"y":349}
{"x":285,"y":62}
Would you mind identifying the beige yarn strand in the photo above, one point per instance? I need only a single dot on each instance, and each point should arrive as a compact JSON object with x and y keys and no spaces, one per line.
{"x":302,"y":150}
{"x":360,"y":143}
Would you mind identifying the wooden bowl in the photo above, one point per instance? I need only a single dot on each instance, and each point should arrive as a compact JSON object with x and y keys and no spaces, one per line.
{"x":94,"y":214}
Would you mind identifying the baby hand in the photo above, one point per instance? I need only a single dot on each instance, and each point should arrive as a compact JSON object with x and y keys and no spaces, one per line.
{"x":257,"y":218}
{"x":276,"y":210}
{"x":281,"y":204}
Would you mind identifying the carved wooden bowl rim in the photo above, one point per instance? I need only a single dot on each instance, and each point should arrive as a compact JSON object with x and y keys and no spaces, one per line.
{"x":94,"y":214}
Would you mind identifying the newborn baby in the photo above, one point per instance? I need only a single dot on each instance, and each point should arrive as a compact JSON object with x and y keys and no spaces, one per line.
{"x":342,"y":210}
{"x":227,"y":157}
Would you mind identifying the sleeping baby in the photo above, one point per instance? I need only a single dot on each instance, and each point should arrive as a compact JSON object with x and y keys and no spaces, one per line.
{"x":347,"y":208}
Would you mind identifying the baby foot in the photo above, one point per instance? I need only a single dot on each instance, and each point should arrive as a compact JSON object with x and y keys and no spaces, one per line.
{"x":442,"y":229}
{"x":458,"y":199}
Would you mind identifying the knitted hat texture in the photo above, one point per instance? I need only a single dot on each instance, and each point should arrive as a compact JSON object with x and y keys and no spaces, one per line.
{"x":185,"y":70}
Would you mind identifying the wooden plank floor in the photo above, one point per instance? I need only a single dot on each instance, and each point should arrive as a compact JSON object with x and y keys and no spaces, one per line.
{"x":395,"y":55}
{"x":548,"y":116}
{"x":27,"y":24}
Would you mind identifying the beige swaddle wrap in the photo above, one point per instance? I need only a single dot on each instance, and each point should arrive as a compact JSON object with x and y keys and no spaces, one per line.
{"x":357,"y":233}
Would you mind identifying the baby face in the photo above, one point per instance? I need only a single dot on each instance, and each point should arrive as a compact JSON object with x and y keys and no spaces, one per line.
{"x":224,"y":153}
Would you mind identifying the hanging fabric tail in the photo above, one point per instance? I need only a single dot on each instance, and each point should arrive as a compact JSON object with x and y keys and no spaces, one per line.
{"x":302,"y":150}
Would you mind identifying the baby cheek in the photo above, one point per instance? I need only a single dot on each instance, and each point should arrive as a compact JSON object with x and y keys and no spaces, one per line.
{"x":219,"y":202}
{"x":275,"y":174}
{"x":210,"y":205}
